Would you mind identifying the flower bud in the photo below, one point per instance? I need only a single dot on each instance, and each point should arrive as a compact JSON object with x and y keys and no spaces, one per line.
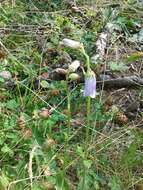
{"x":74,"y":66}
{"x":72,"y":43}
{"x":74,"y":76}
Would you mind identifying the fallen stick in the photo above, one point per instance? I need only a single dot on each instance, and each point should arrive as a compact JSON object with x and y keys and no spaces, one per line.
{"x":116,"y":83}
{"x":121,"y":82}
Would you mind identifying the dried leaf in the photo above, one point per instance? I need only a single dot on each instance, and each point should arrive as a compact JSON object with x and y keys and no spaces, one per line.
{"x":21,"y":122}
{"x":44,"y":113}
{"x":121,"y":118}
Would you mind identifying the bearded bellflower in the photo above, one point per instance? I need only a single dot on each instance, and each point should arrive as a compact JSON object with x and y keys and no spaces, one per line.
{"x":90,"y":84}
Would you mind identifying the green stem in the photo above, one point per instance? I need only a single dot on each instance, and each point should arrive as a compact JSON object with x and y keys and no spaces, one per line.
{"x":88,"y":107}
{"x":68,"y":107}
{"x":88,"y":99}
{"x":68,"y":104}
{"x":87,"y":59}
{"x":88,"y":110}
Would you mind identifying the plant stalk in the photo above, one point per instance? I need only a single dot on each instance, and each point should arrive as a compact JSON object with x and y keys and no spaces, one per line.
{"x":68,"y":104}
{"x":88,"y":111}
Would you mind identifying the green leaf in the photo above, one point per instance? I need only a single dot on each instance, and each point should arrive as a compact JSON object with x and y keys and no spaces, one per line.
{"x":117,"y":66}
{"x":44,"y":84}
{"x":2,"y":139}
{"x":6,"y":149}
{"x":3,"y":181}
{"x":113,"y":184}
{"x":12,"y":104}
{"x":135,"y":56}
{"x":61,"y":183}
{"x":129,"y":158}
{"x":87,"y":163}
{"x":1,"y":79}
{"x":80,"y":151}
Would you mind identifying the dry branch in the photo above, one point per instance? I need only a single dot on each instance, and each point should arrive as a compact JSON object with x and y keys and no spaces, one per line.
{"x":121,"y":82}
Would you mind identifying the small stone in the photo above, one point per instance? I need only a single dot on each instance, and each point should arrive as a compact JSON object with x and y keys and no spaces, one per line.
{"x":133,"y":106}
{"x":10,"y":85}
{"x":5,"y":75}
{"x":105,"y":77}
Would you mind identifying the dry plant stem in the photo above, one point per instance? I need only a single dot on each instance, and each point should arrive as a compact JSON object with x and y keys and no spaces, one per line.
{"x":68,"y":116}
{"x":30,"y":165}
{"x":13,"y":3}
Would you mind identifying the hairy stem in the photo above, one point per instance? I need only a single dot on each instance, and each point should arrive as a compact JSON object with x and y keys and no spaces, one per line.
{"x":88,"y":105}
{"x":68,"y":103}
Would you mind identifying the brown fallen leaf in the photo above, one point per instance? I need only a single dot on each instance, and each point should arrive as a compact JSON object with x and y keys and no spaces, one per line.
{"x":47,"y":185}
{"x":26,"y":133}
{"x":49,"y":143}
{"x":2,"y":54}
{"x":21,"y":122}
{"x":109,"y":101}
{"x":54,"y":92}
{"x":44,"y":113}
{"x":138,"y":187}
{"x":65,"y":112}
{"x":44,"y":75}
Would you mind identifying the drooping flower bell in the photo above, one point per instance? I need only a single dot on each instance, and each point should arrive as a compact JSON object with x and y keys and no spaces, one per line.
{"x":72,"y":43}
{"x":90,"y":85}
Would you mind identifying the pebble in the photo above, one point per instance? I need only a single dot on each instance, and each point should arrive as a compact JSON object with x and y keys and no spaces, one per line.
{"x":105,"y":77}
{"x":5,"y":75}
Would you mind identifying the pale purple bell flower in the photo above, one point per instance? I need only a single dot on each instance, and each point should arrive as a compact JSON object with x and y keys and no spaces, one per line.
{"x":90,"y":85}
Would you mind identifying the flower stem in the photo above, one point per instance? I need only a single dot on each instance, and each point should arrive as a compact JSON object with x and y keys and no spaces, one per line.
{"x":87,"y":59}
{"x":68,"y":103}
{"x":88,"y":102}
{"x":88,"y":99}
{"x":88,"y":111}
{"x":88,"y":107}
{"x":68,"y":107}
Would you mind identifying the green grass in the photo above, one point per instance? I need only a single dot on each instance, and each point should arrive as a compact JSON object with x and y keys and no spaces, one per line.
{"x":41,"y":153}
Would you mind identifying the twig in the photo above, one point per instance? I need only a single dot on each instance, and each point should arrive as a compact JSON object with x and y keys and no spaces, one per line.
{"x":120,"y":82}
{"x":30,"y":164}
